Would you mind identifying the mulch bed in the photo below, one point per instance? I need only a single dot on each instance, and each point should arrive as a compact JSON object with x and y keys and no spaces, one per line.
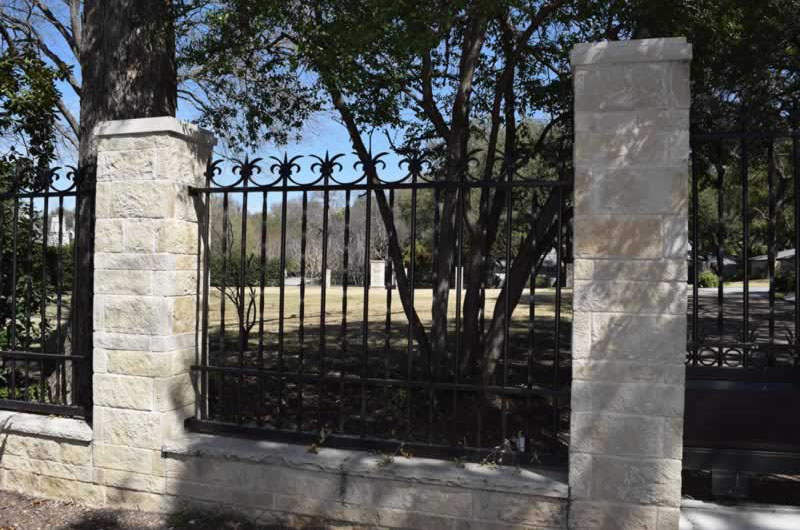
{"x":21,"y":512}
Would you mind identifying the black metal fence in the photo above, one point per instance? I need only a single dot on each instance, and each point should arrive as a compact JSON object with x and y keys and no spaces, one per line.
{"x":39,"y":368}
{"x":743,"y":357}
{"x":745,"y":231}
{"x":460,"y":348}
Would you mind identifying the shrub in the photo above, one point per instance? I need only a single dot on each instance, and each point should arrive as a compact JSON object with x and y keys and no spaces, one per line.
{"x":732,"y":273}
{"x":707,"y":279}
{"x":232,"y":270}
{"x":784,"y":280}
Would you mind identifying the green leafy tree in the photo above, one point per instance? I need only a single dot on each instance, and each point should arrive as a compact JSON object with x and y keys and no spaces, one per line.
{"x":454,"y":75}
{"x":435,"y":70}
{"x":28,"y":98}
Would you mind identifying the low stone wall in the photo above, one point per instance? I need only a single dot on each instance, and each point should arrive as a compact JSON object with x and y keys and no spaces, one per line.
{"x":274,"y":482}
{"x":46,"y":456}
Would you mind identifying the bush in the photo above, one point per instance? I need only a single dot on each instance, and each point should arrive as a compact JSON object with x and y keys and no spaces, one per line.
{"x":732,"y":274}
{"x":543,"y":282}
{"x":784,"y":280}
{"x":707,"y":279}
{"x":232,"y":270}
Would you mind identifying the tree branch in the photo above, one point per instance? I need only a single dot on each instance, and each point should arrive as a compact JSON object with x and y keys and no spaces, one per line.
{"x":67,"y":134}
{"x":73,"y":123}
{"x":76,"y":22}
{"x":30,"y":32}
{"x":68,"y":36}
{"x":428,"y":103}
{"x":396,"y":253}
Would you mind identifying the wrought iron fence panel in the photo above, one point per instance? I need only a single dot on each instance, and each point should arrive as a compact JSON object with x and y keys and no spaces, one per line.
{"x":345,"y":309}
{"x":743,"y":182}
{"x":39,"y":369}
{"x":742,"y":353}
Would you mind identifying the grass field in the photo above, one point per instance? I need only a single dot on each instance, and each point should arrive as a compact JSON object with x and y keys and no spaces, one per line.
{"x":346,"y":350}
{"x":377,"y":303}
{"x":751,"y":283}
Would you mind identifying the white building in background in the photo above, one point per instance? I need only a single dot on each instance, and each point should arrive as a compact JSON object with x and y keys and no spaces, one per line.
{"x":67,"y":228}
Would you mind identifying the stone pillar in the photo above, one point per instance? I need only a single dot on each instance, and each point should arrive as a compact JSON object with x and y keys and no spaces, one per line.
{"x":631,"y":238}
{"x":377,"y":273}
{"x":146,"y":255}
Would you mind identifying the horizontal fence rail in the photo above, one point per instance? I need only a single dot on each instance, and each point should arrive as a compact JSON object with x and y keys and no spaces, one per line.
{"x":745,"y":230}
{"x":38,"y":238}
{"x":406,"y":313}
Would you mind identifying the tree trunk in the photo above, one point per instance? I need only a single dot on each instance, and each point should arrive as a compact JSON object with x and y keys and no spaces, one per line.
{"x":128,"y":71}
{"x":538,"y":241}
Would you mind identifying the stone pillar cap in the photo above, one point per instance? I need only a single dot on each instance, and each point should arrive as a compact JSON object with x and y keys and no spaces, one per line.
{"x":161,"y":124}
{"x":633,"y":51}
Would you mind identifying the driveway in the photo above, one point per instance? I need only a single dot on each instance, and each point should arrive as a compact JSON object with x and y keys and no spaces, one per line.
{"x":697,"y":515}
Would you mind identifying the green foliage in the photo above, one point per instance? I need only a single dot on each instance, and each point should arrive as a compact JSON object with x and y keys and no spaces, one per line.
{"x":62,"y":259}
{"x":270,"y":63}
{"x":423,"y":264}
{"x":230,"y":271}
{"x":275,"y":64}
{"x":785,"y":280}
{"x":707,"y":279}
{"x":25,"y":393}
{"x":28,"y":99}
{"x":21,"y":288}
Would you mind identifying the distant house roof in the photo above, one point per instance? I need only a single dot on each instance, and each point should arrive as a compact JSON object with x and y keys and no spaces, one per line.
{"x":782,"y":255}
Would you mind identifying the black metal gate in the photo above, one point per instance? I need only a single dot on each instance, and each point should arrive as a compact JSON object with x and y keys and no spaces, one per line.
{"x":41,"y":368}
{"x":743,"y":380}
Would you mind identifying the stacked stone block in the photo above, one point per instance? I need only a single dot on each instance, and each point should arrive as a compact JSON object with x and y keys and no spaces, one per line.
{"x":279,"y":484}
{"x":629,"y":329}
{"x":47,"y":456}
{"x":146,"y":255}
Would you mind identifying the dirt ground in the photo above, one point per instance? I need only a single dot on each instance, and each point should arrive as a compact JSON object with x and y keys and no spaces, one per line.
{"x":20,"y":512}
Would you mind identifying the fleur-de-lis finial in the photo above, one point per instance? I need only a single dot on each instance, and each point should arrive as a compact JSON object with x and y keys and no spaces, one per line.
{"x":327,"y":165}
{"x":372,"y":163}
{"x":247,"y":168}
{"x":285,"y":167}
{"x":415,"y":161}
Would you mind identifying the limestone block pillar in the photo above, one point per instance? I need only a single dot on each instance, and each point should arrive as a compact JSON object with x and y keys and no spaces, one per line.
{"x":629,"y":331}
{"x":145,"y":294}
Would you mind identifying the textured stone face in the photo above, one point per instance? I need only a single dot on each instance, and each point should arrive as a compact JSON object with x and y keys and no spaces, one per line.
{"x":629,"y":326}
{"x":145,"y":302}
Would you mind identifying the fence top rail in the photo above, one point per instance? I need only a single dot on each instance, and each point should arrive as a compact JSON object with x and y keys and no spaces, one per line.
{"x":327,"y":174}
{"x":291,"y":187}
{"x":39,"y":184}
